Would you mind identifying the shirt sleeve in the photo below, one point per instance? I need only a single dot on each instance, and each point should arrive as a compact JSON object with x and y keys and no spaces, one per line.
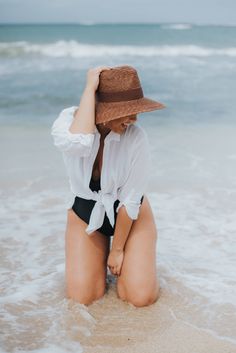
{"x":131,"y":192}
{"x":66,"y":141}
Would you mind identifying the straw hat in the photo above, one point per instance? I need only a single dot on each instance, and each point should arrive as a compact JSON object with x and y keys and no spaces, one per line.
{"x":120,"y":94}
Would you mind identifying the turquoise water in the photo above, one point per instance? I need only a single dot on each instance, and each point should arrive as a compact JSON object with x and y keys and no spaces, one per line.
{"x":116,"y":34}
{"x":43,"y":67}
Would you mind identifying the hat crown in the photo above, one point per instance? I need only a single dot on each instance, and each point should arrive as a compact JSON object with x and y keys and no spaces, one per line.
{"x":120,"y":78}
{"x":120,"y":94}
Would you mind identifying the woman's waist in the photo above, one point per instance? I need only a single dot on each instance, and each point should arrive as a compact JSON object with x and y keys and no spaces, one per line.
{"x":92,"y":200}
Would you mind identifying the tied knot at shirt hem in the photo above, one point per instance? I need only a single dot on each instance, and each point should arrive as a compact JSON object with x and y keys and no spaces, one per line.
{"x":104,"y":204}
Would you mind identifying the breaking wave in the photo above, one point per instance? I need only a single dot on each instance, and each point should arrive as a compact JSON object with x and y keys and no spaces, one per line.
{"x":75,"y":49}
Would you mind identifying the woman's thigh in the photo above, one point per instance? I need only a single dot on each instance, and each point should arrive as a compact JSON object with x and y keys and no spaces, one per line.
{"x":138,"y":282}
{"x":86,"y":261}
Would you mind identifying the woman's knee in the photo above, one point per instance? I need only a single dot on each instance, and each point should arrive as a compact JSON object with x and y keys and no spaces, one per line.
{"x":139,"y":295}
{"x":85,"y":291}
{"x":143,"y":298}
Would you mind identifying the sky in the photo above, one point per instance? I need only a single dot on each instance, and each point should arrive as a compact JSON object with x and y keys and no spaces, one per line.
{"x":106,"y":11}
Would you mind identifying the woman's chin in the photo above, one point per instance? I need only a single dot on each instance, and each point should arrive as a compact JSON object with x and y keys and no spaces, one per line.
{"x":119,"y":129}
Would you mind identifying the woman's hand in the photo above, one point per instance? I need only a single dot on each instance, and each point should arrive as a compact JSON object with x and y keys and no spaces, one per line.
{"x":115,"y":260}
{"x":93,"y":76}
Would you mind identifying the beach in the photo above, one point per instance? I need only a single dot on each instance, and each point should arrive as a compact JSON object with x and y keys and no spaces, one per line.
{"x":192,"y":189}
{"x":162,"y":330}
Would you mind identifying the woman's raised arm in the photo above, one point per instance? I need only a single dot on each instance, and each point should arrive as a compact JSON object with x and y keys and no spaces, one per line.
{"x":84,"y":116}
{"x":74,"y":129}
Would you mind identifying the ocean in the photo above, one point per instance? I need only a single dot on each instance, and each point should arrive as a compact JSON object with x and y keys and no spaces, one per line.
{"x":192,"y":189}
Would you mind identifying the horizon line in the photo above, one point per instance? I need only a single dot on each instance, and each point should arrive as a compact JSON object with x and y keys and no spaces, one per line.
{"x":90,"y":23}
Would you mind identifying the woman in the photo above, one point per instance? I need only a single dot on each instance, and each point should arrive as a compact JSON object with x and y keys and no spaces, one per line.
{"x":107,"y":160}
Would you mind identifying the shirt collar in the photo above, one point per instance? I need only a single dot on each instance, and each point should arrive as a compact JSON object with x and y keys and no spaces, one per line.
{"x":111,"y":136}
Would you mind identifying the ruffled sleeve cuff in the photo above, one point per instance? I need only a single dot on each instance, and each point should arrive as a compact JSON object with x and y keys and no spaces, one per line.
{"x":132,"y":205}
{"x":67,"y":141}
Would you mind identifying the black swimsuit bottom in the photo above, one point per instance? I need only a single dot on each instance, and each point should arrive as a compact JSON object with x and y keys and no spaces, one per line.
{"x":83,"y":208}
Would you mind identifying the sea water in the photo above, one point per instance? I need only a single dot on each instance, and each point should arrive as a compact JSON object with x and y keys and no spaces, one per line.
{"x":192,"y":188}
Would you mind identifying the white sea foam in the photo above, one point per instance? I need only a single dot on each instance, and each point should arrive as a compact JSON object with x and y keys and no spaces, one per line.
{"x":76,"y":49}
{"x":194,"y":201}
{"x":193,"y":196}
{"x":177,"y":26}
{"x":196,"y":241}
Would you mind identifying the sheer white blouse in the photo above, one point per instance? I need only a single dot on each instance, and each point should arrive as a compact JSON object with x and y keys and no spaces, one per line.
{"x":125,"y":168}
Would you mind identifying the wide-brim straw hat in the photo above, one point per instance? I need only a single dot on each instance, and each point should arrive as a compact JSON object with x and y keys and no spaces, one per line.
{"x":120,"y":94}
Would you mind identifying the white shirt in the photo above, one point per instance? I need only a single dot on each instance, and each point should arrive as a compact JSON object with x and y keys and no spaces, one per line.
{"x":125,"y":168}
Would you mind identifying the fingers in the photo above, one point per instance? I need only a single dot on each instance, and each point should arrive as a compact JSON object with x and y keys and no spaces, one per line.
{"x":114,"y":270}
{"x":93,"y":76}
{"x":104,"y":68}
{"x":99,"y":69}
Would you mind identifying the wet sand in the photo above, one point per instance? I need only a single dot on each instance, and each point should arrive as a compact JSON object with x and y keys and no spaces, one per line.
{"x":121,"y":327}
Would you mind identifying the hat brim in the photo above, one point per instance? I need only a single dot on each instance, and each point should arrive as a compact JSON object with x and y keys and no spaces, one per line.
{"x":114,"y":110}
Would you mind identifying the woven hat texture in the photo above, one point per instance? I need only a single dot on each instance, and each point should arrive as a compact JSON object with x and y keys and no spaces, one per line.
{"x":120,"y":94}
